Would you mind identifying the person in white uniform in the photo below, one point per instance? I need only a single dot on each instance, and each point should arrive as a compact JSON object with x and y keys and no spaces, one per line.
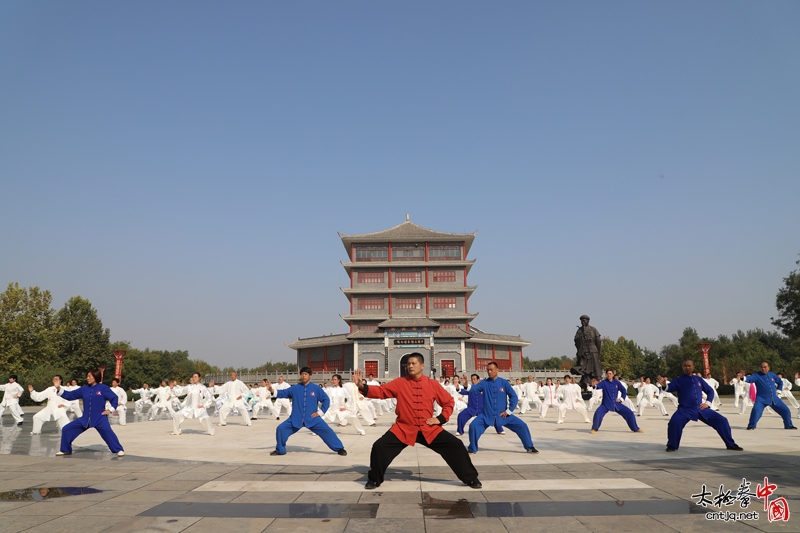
{"x":627,"y":402}
{"x":13,"y":392}
{"x":74,"y":406}
{"x":523,"y":404}
{"x":122,"y":402}
{"x":714,"y":384}
{"x":570,"y":394}
{"x":381,"y":406}
{"x":282,"y":403}
{"x":236,"y":392}
{"x":740,"y":388}
{"x":597,"y":394}
{"x":163,"y":400}
{"x":531,"y":390}
{"x":56,"y":407}
{"x":651,"y":398}
{"x":145,"y":395}
{"x":662,"y":391}
{"x":550,"y":397}
{"x":356,"y":404}
{"x":786,"y":393}
{"x":639,"y":386}
{"x":194,"y":406}
{"x":263,"y":401}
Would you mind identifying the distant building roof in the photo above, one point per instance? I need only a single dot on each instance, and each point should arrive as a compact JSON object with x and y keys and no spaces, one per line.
{"x":324,"y":340}
{"x":408,"y":231}
{"x":409,"y":323}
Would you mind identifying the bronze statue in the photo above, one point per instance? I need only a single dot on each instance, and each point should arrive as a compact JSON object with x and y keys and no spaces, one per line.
{"x":588,"y":343}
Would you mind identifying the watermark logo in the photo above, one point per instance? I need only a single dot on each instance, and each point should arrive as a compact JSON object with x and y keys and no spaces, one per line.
{"x":777,"y":509}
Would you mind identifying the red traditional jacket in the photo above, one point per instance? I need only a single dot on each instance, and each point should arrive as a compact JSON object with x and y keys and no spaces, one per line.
{"x":415,"y":406}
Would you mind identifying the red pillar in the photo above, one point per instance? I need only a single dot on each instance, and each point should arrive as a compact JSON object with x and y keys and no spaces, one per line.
{"x":119,"y":355}
{"x":427,"y":304}
{"x":390,"y":305}
{"x":324,"y":358}
{"x":390,"y":252}
{"x":704,"y":346}
{"x":390,"y":278}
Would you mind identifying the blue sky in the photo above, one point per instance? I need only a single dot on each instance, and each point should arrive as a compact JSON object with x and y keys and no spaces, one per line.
{"x":186,"y":166}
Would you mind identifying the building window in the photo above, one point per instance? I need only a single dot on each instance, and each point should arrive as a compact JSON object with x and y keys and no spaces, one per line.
{"x":408,"y":253}
{"x":444,"y":253}
{"x":440,"y":302}
{"x":408,"y":277}
{"x":444,"y":276}
{"x":369,"y":277}
{"x":369,"y":304}
{"x":366,"y":254}
{"x":408,"y":303}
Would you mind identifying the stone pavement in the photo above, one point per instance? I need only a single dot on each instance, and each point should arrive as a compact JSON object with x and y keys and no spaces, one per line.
{"x":614,"y":480}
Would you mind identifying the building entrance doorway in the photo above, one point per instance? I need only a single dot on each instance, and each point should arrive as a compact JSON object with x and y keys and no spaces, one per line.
{"x":403,"y":367}
{"x":448,"y":368}
{"x":371,"y":368}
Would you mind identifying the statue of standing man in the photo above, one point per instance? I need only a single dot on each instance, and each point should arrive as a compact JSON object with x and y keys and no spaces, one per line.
{"x":588,"y":343}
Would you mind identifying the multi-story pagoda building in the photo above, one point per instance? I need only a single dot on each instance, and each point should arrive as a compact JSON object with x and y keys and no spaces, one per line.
{"x":408,"y":292}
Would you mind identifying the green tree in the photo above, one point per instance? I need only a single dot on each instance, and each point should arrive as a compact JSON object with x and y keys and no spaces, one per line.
{"x":617,"y":355}
{"x":81,"y":341}
{"x":26,"y":328}
{"x":788,"y":303}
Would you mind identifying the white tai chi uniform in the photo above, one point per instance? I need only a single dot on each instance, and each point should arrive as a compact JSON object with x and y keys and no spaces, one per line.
{"x":714,"y":384}
{"x":639,"y":386}
{"x":143,"y":401}
{"x":163,"y":401}
{"x":194,"y":406}
{"x":122,"y":404}
{"x":651,"y":398}
{"x":236,"y":391}
{"x":550,"y":399}
{"x":787,"y":396}
{"x":282,"y":403}
{"x":75,"y":405}
{"x":523,"y":404}
{"x":13,"y":391}
{"x":263,"y":401}
{"x":531,"y":389}
{"x":663,"y":394}
{"x":571,"y":399}
{"x":357,"y":404}
{"x":347,"y":400}
{"x":740,"y":389}
{"x":381,"y":406}
{"x":597,"y":397}
{"x":56,"y":409}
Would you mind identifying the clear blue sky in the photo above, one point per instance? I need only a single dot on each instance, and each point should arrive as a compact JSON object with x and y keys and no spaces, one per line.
{"x":186,"y":165}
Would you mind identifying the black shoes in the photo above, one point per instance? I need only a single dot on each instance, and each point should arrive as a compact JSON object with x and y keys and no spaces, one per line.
{"x":532,"y":450}
{"x":371,"y":485}
{"x":671,"y":449}
{"x":475,"y":484}
{"x":793,"y":427}
{"x":750,"y":429}
{"x":736,"y":448}
{"x":342,"y":452}
{"x":276,"y":453}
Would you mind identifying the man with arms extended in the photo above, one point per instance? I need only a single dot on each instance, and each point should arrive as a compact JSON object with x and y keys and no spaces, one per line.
{"x":691,"y":406}
{"x":499,"y":399}
{"x":613,"y":395}
{"x":308,"y":399}
{"x":767,"y":387}
{"x":415,"y":394}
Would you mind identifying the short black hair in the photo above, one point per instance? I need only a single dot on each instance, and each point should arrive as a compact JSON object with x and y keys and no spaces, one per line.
{"x":492,"y":363}
{"x":13,"y":376}
{"x":475,"y":376}
{"x":59,"y":377}
{"x":115,"y":379}
{"x":306,"y":370}
{"x":418,"y":356}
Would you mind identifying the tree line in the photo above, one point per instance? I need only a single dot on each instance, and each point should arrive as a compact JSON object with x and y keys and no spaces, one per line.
{"x":38,"y":342}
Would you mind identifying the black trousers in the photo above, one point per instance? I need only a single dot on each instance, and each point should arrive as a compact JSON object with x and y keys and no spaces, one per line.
{"x":452,"y":450}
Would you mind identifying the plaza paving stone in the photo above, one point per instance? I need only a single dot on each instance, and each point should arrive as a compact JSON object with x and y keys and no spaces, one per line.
{"x":610,"y":481}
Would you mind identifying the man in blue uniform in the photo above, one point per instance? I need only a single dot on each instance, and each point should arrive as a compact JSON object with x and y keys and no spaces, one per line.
{"x":767,"y":385}
{"x":612,"y":388}
{"x":307,"y":399}
{"x":690,"y":389}
{"x":94,"y":396}
{"x":498,"y":399}
{"x":474,"y":407}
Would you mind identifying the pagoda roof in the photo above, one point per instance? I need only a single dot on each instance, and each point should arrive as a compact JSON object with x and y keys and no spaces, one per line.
{"x":356,"y":335}
{"x":409,"y":322}
{"x":323,"y":340}
{"x":408,"y":231}
{"x":514,"y":340}
{"x":451,"y":333}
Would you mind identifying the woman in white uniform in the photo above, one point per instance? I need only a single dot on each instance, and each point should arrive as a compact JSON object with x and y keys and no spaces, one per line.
{"x":56,"y":408}
{"x":197,"y":397}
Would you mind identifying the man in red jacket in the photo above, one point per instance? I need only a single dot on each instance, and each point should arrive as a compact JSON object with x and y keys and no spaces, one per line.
{"x":415,"y":394}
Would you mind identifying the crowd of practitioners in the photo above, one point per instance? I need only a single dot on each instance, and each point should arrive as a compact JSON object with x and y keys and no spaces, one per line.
{"x":481,"y":402}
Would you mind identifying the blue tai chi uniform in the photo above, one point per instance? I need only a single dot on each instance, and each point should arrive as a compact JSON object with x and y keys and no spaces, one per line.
{"x":767,"y":396}
{"x":474,"y":408}
{"x":610,"y":403}
{"x":94,"y":403}
{"x":498,"y":396}
{"x":306,"y":400}
{"x":690,"y":391}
